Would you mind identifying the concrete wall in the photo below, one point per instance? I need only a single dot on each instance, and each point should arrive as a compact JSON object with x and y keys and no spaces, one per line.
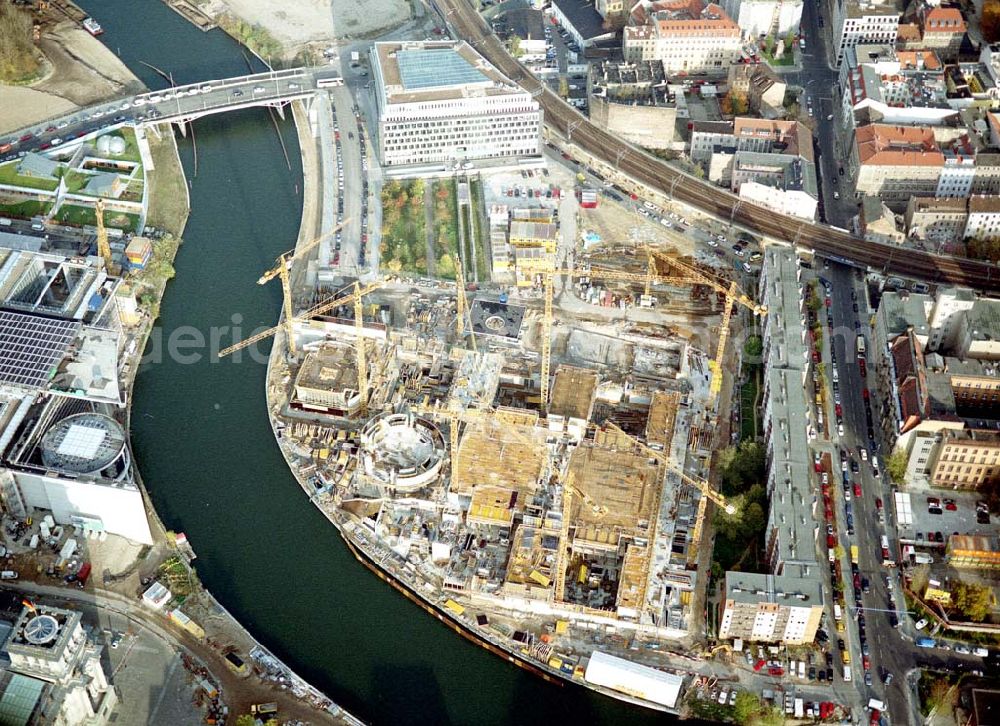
{"x":120,"y":508}
{"x":649,"y":126}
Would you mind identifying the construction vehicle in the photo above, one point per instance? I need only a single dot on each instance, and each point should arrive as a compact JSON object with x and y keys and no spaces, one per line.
{"x":282,"y":267}
{"x":733,"y":295}
{"x":103,"y":246}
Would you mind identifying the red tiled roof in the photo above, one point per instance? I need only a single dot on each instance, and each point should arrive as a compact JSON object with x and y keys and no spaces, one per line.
{"x":897,"y":146}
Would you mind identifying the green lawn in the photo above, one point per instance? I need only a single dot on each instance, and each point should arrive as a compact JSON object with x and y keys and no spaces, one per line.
{"x":77,"y":216}
{"x":748,"y":412}
{"x":75,"y":181}
{"x":404,"y":239}
{"x":482,"y":254}
{"x":25,"y":210}
{"x":132,"y":146}
{"x":445,"y":234}
{"x":9,"y":175}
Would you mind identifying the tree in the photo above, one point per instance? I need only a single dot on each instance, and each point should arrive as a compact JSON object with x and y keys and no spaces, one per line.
{"x":515,"y":46}
{"x":989,"y":23}
{"x":895,"y":465}
{"x":772,"y":716}
{"x":747,"y":708}
{"x":973,"y":600}
{"x":984,"y":249}
{"x":739,"y":101}
{"x":245,"y":720}
{"x":769,"y":45}
{"x":753,"y":347}
{"x":18,"y":60}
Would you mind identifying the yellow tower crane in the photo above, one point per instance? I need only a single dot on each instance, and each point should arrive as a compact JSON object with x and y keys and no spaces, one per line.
{"x":359,"y":291}
{"x":562,"y":556}
{"x":281,"y":269}
{"x":103,"y":247}
{"x":701,"y":485}
{"x":733,"y":295}
{"x":462,"y":306}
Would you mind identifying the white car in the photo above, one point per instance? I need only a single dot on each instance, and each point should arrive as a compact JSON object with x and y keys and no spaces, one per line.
{"x":712,"y":242}
{"x":840,"y":429}
{"x":920,"y":624}
{"x":666,"y":222}
{"x":864,"y":455}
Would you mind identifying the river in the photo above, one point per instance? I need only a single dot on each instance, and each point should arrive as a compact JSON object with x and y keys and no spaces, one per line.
{"x":205,"y":449}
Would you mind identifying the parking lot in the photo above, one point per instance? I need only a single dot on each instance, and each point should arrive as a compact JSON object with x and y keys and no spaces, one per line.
{"x":926,"y":522}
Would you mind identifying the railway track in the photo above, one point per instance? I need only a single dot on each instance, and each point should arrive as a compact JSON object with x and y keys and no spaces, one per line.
{"x":676,"y":184}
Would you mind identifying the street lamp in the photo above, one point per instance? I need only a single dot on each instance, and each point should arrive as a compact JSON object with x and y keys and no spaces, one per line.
{"x":570,"y":127}
{"x":736,"y":207}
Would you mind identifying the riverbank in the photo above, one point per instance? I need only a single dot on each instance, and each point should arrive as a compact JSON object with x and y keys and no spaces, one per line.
{"x":268,"y":679}
{"x":79,"y":71}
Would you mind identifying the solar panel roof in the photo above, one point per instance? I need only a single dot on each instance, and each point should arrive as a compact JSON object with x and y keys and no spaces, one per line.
{"x":435,"y":68}
{"x":31,"y":346}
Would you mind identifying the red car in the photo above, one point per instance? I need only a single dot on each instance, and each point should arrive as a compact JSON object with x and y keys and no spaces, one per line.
{"x":864,"y":393}
{"x":758,"y":665}
{"x":866,"y":663}
{"x":831,"y":541}
{"x":815,"y":356}
{"x":45,"y":146}
{"x":829,"y":302}
{"x":878,"y":503}
{"x":26,"y":137}
{"x":857,"y":489}
{"x":838,"y":409}
{"x":775,"y":671}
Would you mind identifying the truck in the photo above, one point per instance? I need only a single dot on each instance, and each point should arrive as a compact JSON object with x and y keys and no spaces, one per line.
{"x":260,"y":709}
{"x":886,"y":556}
{"x":847,"y":674}
{"x":855,"y":554}
{"x":82,"y":575}
{"x":860,"y":346}
{"x":838,"y":614}
{"x":800,"y":708}
{"x":875,"y":704}
{"x":925,"y":642}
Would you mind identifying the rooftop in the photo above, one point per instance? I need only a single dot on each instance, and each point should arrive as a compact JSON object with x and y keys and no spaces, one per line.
{"x":902,"y":310}
{"x":417,"y":71}
{"x":881,"y":144}
{"x":583,"y":17}
{"x":752,"y":588}
{"x":31,"y":347}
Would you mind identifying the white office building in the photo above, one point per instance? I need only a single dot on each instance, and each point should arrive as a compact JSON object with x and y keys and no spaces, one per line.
{"x":761,"y":17}
{"x":441,"y":103}
{"x":857,"y":22}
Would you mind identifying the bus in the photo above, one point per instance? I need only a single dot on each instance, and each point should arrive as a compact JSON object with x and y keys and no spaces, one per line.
{"x":860,"y":345}
{"x":331,"y":82}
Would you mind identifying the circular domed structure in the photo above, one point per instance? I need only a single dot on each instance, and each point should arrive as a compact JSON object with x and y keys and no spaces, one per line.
{"x":103,"y":144}
{"x":41,"y":630}
{"x":116,"y":145}
{"x":402,"y":452}
{"x":86,"y":443}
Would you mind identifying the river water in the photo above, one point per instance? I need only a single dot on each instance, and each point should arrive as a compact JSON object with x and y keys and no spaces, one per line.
{"x":205,"y":449}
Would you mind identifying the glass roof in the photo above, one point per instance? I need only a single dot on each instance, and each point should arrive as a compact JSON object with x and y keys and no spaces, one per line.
{"x":435,"y":68}
{"x":19,"y":700}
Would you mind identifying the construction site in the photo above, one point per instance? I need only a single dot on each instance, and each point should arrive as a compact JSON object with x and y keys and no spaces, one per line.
{"x":531,"y":464}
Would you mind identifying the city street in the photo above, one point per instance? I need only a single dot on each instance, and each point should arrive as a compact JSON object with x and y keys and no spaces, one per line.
{"x":820,"y":84}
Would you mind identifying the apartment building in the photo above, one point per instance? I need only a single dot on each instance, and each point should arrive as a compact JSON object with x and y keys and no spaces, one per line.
{"x":861,"y":21}
{"x":942,"y":29}
{"x":764,"y":89}
{"x":686,"y":35}
{"x":771,"y":609}
{"x":984,"y":217}
{"x":634,"y":101}
{"x":935,"y":364}
{"x":904,"y":88}
{"x":791,"y":527}
{"x":758,"y":18}
{"x":440,"y":102}
{"x":896,"y":163}
{"x":875,"y":222}
{"x":938,"y":220}
{"x":781,"y":182}
{"x":966,"y":459}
